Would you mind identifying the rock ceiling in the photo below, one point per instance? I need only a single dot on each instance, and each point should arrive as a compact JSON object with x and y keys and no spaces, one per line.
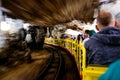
{"x":51,"y":12}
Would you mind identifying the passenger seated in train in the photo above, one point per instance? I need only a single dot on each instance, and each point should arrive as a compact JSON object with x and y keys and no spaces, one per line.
{"x":103,"y":47}
{"x":86,"y":35}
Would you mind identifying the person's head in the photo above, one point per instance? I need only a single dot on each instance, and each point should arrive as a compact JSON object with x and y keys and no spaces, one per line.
{"x":86,"y":33}
{"x":113,"y":8}
{"x":91,"y":32}
{"x":105,"y":19}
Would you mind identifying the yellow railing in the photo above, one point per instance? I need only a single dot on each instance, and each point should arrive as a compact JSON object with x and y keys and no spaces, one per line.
{"x":88,"y":72}
{"x":91,"y":72}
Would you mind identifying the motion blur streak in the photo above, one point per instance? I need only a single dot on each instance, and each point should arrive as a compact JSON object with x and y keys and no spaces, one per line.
{"x":51,"y":12}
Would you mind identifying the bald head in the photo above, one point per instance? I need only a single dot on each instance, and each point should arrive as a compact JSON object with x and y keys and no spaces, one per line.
{"x":104,"y":18}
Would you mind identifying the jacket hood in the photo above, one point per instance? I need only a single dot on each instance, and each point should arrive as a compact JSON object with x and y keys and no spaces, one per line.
{"x":109,"y":35}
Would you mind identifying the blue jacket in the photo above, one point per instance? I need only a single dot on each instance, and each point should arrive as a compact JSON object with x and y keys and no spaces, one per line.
{"x":104,"y":46}
{"x":113,"y":72}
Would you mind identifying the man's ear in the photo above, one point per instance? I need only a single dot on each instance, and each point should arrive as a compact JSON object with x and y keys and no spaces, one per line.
{"x":96,"y":27}
{"x":116,"y":24}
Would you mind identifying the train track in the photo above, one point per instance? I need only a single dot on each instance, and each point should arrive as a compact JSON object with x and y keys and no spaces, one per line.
{"x":53,"y":70}
{"x":70,"y":67}
{"x":51,"y":63}
{"x":61,"y":66}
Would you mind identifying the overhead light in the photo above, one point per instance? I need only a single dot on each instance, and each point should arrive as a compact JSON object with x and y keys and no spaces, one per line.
{"x":4,"y":26}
